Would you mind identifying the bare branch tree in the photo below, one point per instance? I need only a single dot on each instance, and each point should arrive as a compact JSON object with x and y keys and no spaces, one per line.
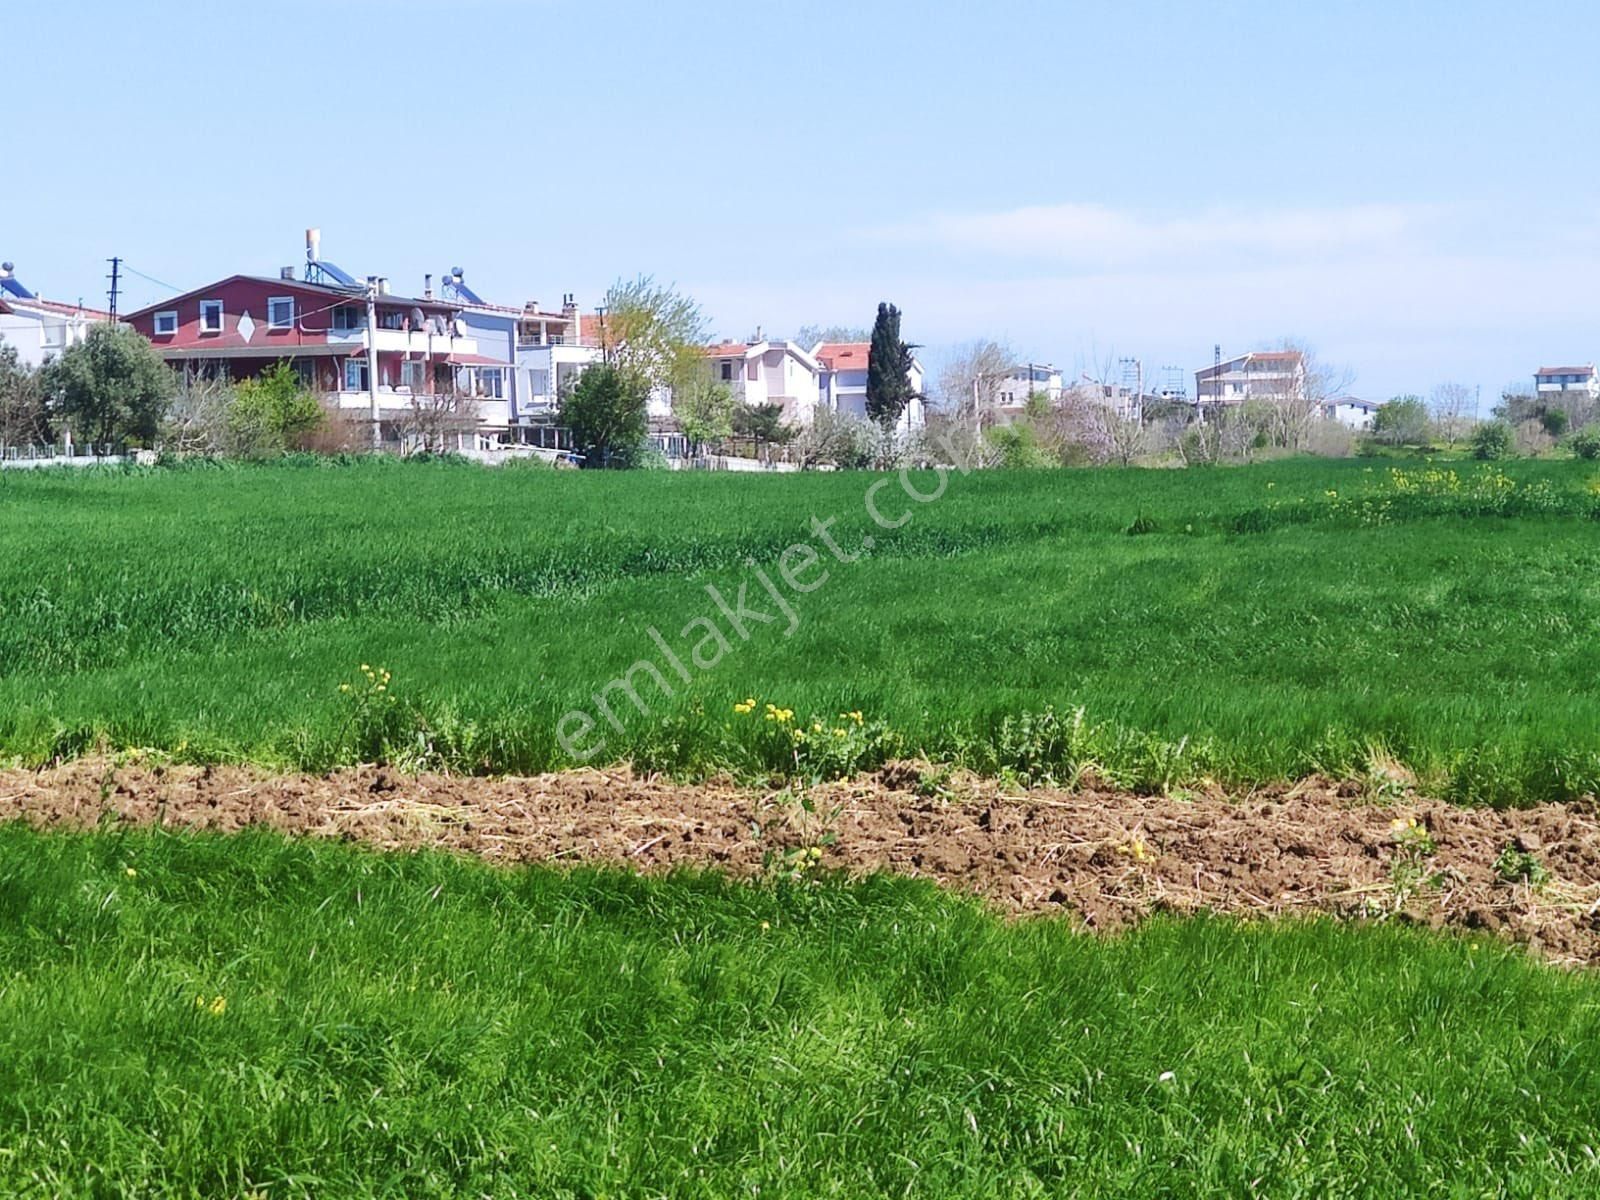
{"x":1453,"y":405}
{"x":969,"y":385}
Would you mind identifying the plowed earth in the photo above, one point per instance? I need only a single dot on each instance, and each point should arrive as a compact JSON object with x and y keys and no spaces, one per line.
{"x":1103,"y":858}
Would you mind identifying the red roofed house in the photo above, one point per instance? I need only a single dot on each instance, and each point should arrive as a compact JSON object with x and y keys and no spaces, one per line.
{"x":769,"y":372}
{"x":1565,"y":382}
{"x":242,"y":325}
{"x":40,"y":329}
{"x":843,"y":383}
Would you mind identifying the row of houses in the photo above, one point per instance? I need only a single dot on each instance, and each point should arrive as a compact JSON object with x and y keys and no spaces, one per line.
{"x":367,"y":346}
{"x":1258,"y":375}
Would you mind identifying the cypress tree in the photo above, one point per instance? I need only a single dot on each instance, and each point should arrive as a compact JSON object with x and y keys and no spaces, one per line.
{"x":888,"y":369}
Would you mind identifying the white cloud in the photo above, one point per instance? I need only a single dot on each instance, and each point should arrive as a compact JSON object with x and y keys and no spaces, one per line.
{"x":1094,"y":234}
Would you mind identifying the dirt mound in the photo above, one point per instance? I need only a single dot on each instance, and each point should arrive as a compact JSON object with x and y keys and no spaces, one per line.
{"x":1105,"y":857}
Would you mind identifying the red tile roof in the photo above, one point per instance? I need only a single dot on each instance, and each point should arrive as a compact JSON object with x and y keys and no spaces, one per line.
{"x":844,"y":356}
{"x":727,"y":350}
{"x":56,"y":306}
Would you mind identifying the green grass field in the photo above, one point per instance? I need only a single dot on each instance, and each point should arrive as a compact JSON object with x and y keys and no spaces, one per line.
{"x":209,"y":1017}
{"x":1240,"y":625}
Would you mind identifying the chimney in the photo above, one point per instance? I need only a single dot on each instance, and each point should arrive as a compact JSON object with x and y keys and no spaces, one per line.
{"x":286,"y":273}
{"x":427,"y":287}
{"x":569,"y":310}
{"x":383,"y":285}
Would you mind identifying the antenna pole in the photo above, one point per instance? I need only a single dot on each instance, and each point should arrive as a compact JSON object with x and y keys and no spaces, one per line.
{"x":116,"y":272}
{"x":372,"y":362}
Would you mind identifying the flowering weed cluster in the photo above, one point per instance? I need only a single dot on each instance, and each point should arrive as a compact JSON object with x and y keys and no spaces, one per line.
{"x":816,"y":749}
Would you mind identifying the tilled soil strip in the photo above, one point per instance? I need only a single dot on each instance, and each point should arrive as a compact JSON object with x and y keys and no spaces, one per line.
{"x":1105,"y":858}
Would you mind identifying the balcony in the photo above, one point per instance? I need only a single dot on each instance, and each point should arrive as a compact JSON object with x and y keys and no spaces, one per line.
{"x":404,"y":341}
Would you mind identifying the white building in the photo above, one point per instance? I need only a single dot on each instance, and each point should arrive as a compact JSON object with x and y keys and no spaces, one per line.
{"x":1258,"y":375}
{"x":769,"y":372}
{"x":38,"y":328}
{"x":1028,"y":379}
{"x":1352,"y":413}
{"x":843,"y":382}
{"x":1571,"y":382}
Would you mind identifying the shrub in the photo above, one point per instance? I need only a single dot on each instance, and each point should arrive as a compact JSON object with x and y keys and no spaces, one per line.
{"x":1586,"y":442}
{"x":1493,"y":440}
{"x":273,"y":413}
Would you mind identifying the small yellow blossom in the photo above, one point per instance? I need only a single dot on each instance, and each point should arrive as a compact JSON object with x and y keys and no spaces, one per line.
{"x":130,"y":872}
{"x":765,"y":925}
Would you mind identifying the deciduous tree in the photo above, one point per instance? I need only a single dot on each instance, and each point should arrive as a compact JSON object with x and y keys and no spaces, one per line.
{"x":112,"y":387}
{"x":655,"y":333}
{"x":606,"y":412}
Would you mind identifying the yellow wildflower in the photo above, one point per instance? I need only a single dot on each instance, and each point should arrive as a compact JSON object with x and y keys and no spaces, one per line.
{"x":130,"y":872}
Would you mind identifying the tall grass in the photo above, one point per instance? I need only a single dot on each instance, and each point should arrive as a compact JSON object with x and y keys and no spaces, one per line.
{"x":1241,"y":625}
{"x":198,"y":1016}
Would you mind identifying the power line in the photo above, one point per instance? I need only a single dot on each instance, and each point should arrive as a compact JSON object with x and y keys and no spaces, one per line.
{"x":150,"y":278}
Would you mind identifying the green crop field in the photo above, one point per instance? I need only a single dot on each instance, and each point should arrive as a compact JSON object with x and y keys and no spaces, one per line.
{"x":1163,"y":627}
{"x":201,"y":1016}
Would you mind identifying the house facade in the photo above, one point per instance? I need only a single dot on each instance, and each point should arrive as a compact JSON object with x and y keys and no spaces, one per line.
{"x":1569,"y":382}
{"x":1352,"y":413}
{"x":37,"y":328}
{"x":243,"y":325}
{"x":1258,"y":375}
{"x":1028,"y":379}
{"x":769,"y":372}
{"x":842,"y":383}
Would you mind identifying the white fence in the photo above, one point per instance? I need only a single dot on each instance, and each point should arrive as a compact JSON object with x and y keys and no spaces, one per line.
{"x":21,"y":457}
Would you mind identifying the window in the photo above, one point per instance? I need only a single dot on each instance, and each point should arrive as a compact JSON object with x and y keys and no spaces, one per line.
{"x":413,"y":374}
{"x":345,"y":318}
{"x":491,"y":384}
{"x":166,"y":323}
{"x":211,"y":316}
{"x":355,"y":374}
{"x":727,"y":370}
{"x":280,"y":312}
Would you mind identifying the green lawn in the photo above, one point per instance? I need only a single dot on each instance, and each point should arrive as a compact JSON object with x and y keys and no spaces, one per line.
{"x":1244,"y":624}
{"x":415,"y":1026}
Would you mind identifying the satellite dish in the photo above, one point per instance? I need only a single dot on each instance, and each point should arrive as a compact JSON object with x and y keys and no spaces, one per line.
{"x":417,"y":318}
{"x":436,"y":324}
{"x":461,"y":327}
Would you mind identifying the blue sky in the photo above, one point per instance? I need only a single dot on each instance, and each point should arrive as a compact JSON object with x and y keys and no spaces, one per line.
{"x":1411,"y":188}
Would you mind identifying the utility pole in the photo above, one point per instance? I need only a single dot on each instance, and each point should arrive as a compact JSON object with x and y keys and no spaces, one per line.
{"x":372,"y":362}
{"x":116,"y":272}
